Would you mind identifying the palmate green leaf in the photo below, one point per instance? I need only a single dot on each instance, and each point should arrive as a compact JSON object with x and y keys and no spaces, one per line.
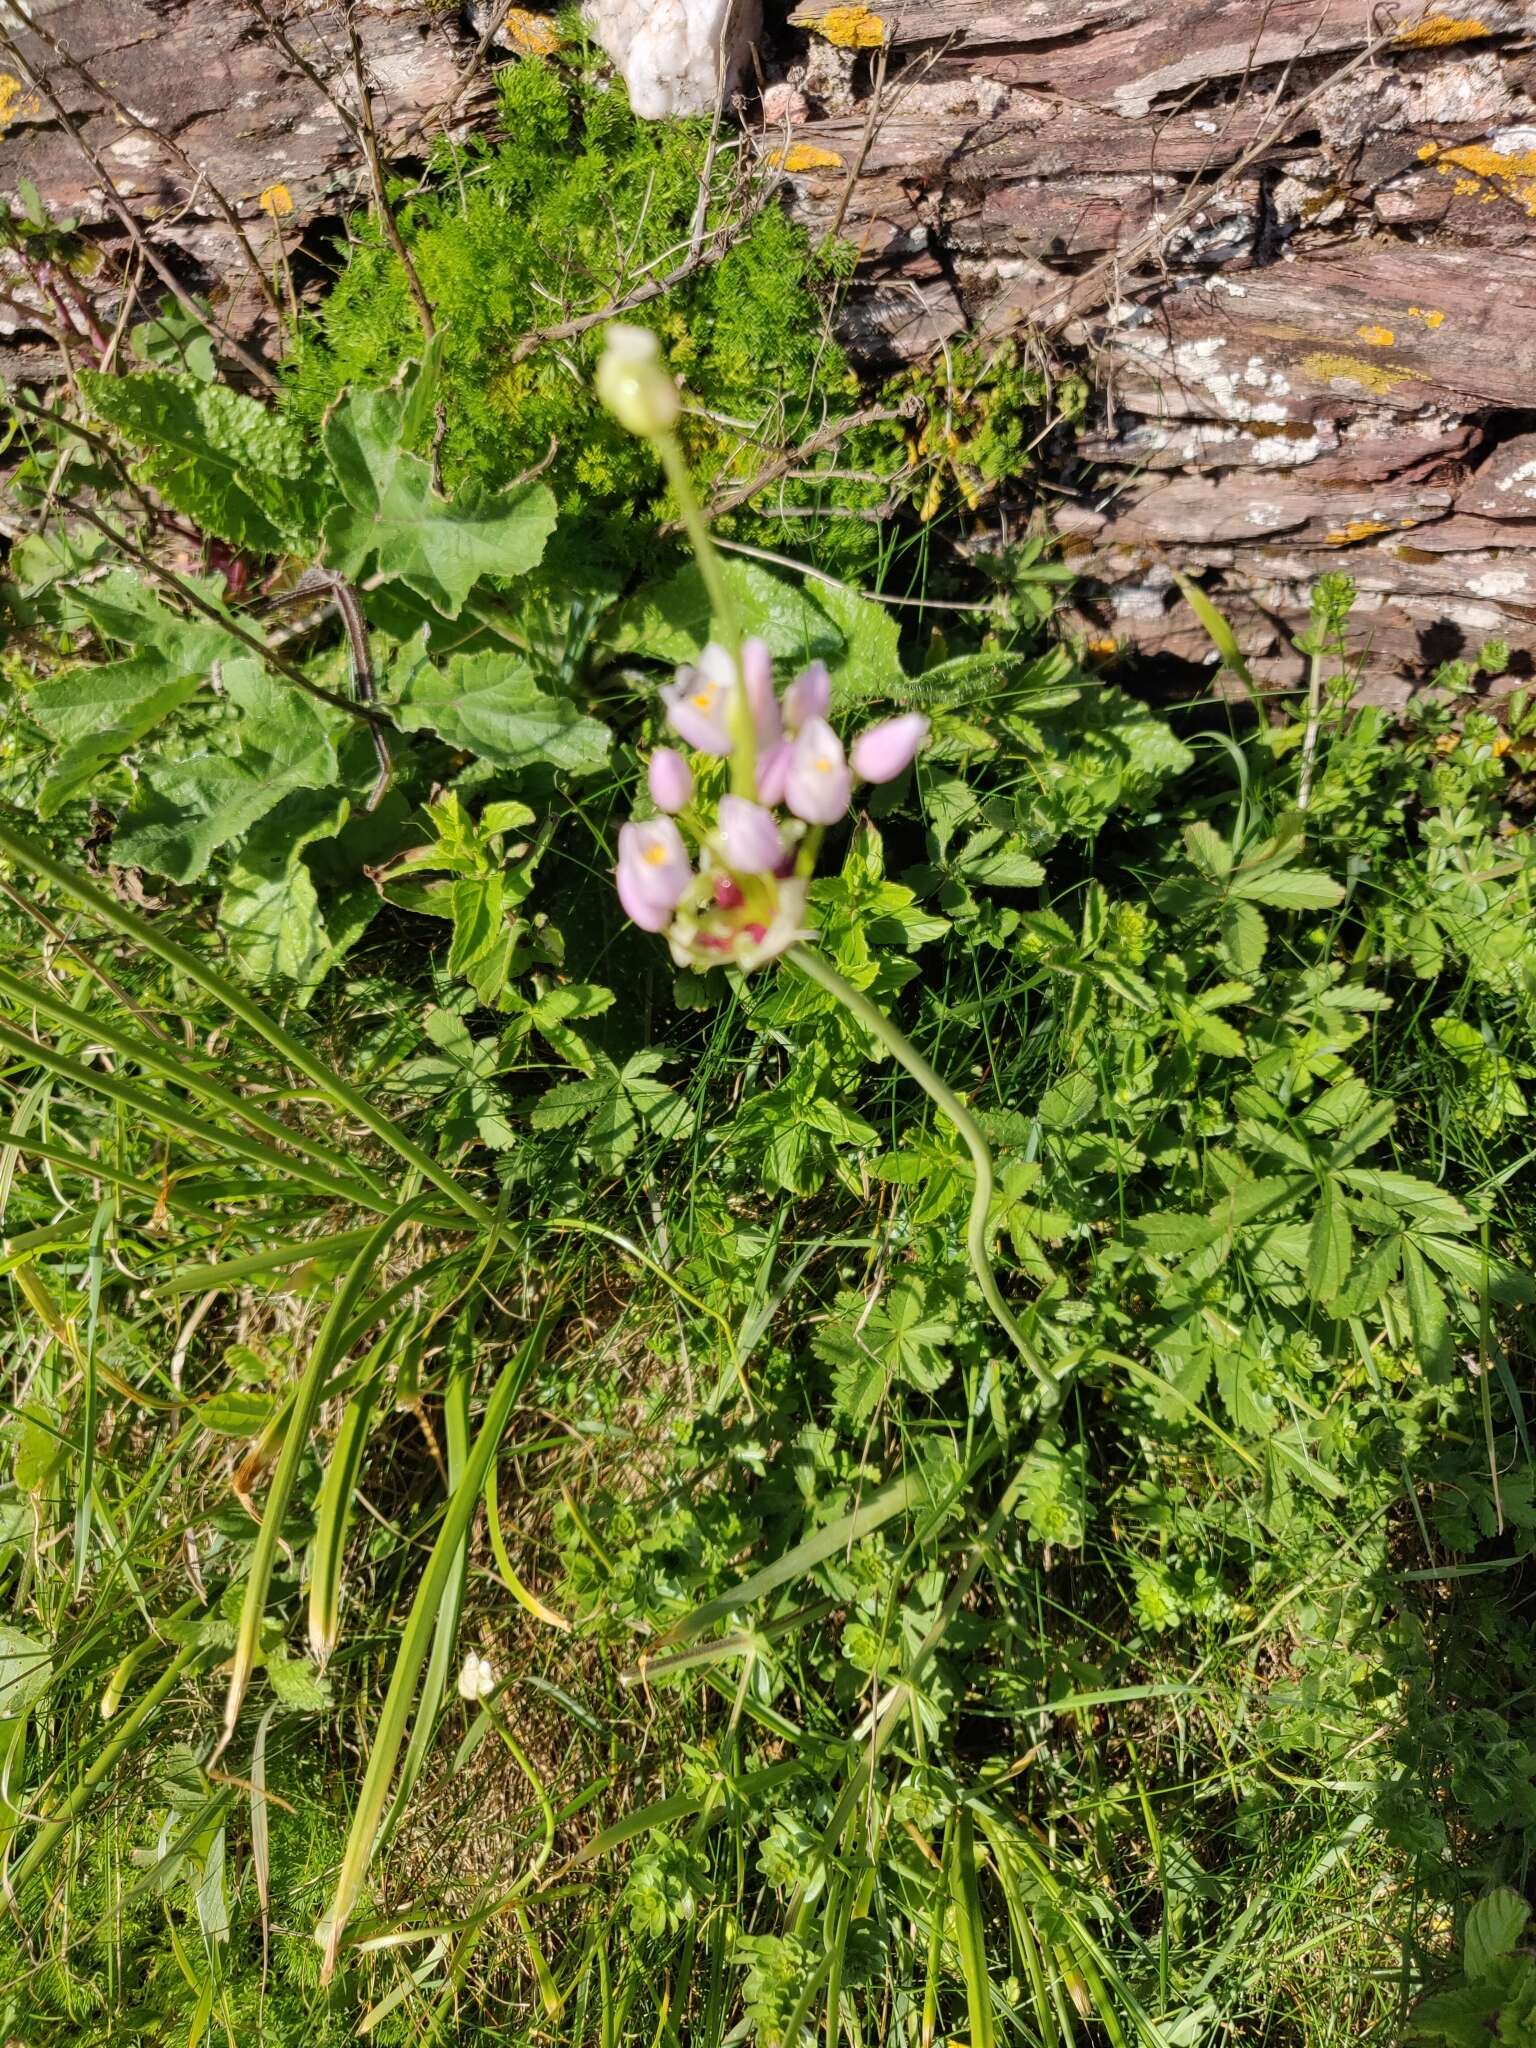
{"x":240,"y":470}
{"x":394,"y":524}
{"x":490,"y":705}
{"x":1330,"y":1244}
{"x":185,"y":810}
{"x":1372,"y":1274}
{"x":613,"y":1104}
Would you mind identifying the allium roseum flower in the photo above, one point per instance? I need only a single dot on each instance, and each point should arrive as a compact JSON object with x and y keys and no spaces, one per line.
{"x":742,"y":897}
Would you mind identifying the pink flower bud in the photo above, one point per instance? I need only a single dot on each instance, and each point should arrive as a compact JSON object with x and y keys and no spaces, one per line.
{"x":808,"y":696}
{"x":773,"y":773}
{"x":757,"y":675}
{"x":670,"y":779}
{"x":881,"y":753}
{"x":749,"y":837}
{"x":698,"y":704}
{"x":818,"y":787}
{"x":653,"y":872}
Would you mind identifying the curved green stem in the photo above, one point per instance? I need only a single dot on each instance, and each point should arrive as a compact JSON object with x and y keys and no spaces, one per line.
{"x":901,"y":1048}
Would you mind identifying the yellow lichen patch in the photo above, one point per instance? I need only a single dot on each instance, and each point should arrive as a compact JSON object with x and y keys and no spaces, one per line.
{"x":276,"y":200}
{"x":1489,"y":174}
{"x":534,"y":34}
{"x":15,"y":104}
{"x":1428,"y":314}
{"x":805,"y":156}
{"x":1378,"y":337}
{"x":1357,"y":529}
{"x":1325,"y":365}
{"x":1435,"y":31}
{"x":850,"y":28}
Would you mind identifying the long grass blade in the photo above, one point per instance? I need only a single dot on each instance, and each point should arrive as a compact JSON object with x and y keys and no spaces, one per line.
{"x":333,"y":1515}
{"x":414,"y":1641}
{"x":144,"y":933}
{"x":300,"y":1422}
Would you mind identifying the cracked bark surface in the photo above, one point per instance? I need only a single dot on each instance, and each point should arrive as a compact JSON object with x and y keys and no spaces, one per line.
{"x":204,"y":73}
{"x":1298,"y":242}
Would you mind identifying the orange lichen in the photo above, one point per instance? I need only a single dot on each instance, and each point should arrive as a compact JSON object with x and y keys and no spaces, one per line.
{"x":276,"y":200}
{"x":534,"y":34}
{"x":1435,"y":31}
{"x":15,"y":103}
{"x":805,"y":156}
{"x":1378,"y":337}
{"x":850,"y":28}
{"x":1357,"y":529}
{"x":1327,"y":364}
{"x":1428,"y":314}
{"x":1489,"y":174}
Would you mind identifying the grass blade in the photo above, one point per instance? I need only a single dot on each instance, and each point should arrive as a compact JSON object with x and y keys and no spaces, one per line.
{"x":300,"y":1422}
{"x":414,"y":1641}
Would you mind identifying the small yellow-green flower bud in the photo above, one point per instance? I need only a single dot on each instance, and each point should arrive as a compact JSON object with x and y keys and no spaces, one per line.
{"x":633,"y":382}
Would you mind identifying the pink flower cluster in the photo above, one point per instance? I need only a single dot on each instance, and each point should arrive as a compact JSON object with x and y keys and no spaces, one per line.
{"x":746,"y":900}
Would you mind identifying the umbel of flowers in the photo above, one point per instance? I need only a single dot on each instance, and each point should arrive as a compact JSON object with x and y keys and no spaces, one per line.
{"x":727,"y":881}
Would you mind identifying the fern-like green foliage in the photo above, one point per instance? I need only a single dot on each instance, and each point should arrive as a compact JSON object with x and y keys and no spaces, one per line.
{"x":575,"y":201}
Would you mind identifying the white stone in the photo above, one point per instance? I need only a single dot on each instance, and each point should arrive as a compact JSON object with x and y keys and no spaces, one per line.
{"x":670,"y":51}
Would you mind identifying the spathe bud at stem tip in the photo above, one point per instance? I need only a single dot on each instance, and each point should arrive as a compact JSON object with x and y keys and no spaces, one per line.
{"x":634,"y":384}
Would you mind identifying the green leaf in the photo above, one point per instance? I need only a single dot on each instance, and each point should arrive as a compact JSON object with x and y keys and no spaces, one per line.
{"x":1494,"y":1927}
{"x":1428,"y":1315}
{"x":1290,"y":889}
{"x":1330,"y":1245}
{"x":490,"y":705}
{"x":296,"y":1682}
{"x":1244,"y":936}
{"x":1420,"y":1203}
{"x":187,"y":809}
{"x":26,"y":1672}
{"x":236,"y":1412}
{"x":239,"y":469}
{"x":99,"y":713}
{"x":1372,"y":1275}
{"x":868,"y":665}
{"x":672,"y":620}
{"x":270,"y":909}
{"x":1208,"y":850}
{"x":393,"y":524}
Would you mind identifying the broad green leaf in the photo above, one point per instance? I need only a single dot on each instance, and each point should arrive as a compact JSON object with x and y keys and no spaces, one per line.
{"x":238,"y":468}
{"x":1208,"y":850}
{"x":1372,"y":1275}
{"x":1467,"y":1263}
{"x":1330,"y":1244}
{"x":1171,"y":1232}
{"x":1494,"y":1927}
{"x":270,"y":909}
{"x":1420,"y":1203}
{"x":490,"y":705}
{"x":125,"y":608}
{"x":187,"y":809}
{"x":99,"y":713}
{"x":393,"y":524}
{"x":26,"y":1672}
{"x":867,"y":668}
{"x":1244,"y":936}
{"x":672,"y":620}
{"x":1289,"y":889}
{"x":236,"y":1412}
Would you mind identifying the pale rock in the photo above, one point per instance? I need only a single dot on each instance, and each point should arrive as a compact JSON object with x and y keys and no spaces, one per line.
{"x":670,"y":51}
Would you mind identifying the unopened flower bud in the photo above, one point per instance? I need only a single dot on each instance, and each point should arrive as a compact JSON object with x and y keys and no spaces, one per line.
{"x":670,"y":779}
{"x":749,"y":838}
{"x":653,"y":873}
{"x":634,"y":384}
{"x":818,"y":787}
{"x":881,"y":753}
{"x":477,"y":1681}
{"x":757,"y":675}
{"x":808,"y":696}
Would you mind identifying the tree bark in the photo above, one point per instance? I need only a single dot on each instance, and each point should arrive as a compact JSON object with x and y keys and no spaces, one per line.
{"x":1295,"y":239}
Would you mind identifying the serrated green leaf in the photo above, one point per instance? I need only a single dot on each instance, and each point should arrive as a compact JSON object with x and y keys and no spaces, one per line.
{"x":1428,"y":1316}
{"x":1244,"y":936}
{"x":239,"y":469}
{"x":1330,"y":1244}
{"x":99,"y":713}
{"x":490,"y":705}
{"x":1372,"y":1274}
{"x":1494,"y":1927}
{"x":1419,"y":1202}
{"x":1208,"y":850}
{"x":671,"y":620}
{"x":1289,"y":889}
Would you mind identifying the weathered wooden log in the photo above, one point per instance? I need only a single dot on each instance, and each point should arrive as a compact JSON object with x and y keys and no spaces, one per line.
{"x":1296,"y":238}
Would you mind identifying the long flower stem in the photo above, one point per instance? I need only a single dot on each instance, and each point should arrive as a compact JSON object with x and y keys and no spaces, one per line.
{"x":901,"y":1048}
{"x":722,"y":604}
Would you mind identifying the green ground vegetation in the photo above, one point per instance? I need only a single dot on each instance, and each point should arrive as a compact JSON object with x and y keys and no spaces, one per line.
{"x":515,"y":1523}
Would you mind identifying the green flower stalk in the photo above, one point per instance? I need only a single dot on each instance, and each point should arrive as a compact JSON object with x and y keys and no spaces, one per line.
{"x":740,"y":894}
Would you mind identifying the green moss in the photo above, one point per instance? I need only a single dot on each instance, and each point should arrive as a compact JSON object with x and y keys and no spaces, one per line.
{"x":571,"y":203}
